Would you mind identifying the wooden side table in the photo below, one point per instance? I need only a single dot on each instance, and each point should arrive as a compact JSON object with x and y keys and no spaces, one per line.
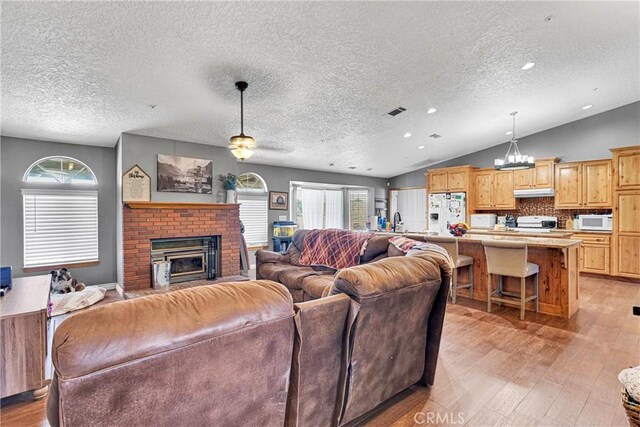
{"x":23,"y":336}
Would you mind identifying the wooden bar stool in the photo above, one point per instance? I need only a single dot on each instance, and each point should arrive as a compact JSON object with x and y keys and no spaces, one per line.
{"x":451,"y":245}
{"x":509,"y":258}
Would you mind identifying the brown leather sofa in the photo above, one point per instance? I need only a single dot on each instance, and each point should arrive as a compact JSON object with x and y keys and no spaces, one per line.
{"x":244,"y":354}
{"x":308,"y":283}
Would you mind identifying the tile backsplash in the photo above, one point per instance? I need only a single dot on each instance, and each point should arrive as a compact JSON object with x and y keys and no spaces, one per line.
{"x":544,"y":206}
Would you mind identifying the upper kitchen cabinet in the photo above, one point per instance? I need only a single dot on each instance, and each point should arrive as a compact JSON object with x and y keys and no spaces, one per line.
{"x":541,"y":176}
{"x":494,"y":190}
{"x":596,"y":178}
{"x":626,"y":165}
{"x":449,"y":180}
{"x":582,"y":185}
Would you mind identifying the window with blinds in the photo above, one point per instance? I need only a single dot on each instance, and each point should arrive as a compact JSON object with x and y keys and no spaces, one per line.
{"x":60,"y":227}
{"x":253,"y":214}
{"x":358,"y":209}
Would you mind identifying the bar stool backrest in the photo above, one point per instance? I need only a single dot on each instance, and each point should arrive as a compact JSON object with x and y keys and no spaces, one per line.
{"x":506,"y":258}
{"x":449,"y":243}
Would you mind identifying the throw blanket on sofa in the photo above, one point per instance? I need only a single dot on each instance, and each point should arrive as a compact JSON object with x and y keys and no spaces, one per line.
{"x":333,"y":248}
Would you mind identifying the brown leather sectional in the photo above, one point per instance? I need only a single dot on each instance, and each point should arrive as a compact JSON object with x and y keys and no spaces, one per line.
{"x":308,"y":283}
{"x":245,"y":354}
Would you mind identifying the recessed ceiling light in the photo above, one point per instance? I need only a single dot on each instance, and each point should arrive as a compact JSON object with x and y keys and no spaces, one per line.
{"x":407,"y":135}
{"x":528,"y":65}
{"x":508,"y":133}
{"x":421,"y":147}
{"x":431,"y":110}
{"x":586,"y":107}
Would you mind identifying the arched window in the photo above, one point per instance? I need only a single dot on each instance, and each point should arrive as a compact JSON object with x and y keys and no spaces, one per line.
{"x":251,"y":183}
{"x":252,"y":196}
{"x":60,"y":170}
{"x":60,"y":208}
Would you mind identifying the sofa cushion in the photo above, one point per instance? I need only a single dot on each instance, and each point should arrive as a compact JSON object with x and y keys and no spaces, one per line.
{"x":293,"y":276}
{"x":393,"y":251}
{"x":403,"y":243}
{"x":272,"y":270}
{"x":386,"y":275}
{"x":317,"y":286}
{"x":376,"y":246}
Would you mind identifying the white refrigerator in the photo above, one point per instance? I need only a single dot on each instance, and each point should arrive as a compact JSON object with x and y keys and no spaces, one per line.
{"x":446,"y":209}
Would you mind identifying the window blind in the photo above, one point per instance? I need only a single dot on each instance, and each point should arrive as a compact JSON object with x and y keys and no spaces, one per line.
{"x":358,"y":209}
{"x":253,"y":214}
{"x":60,"y":227}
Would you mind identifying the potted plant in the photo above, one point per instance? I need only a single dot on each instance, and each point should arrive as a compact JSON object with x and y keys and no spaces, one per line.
{"x":229,"y":183}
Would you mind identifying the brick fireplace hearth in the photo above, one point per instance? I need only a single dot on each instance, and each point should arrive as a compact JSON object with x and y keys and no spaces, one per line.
{"x":143,"y":222}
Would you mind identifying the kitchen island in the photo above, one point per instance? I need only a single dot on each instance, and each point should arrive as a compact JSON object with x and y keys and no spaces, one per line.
{"x":556,"y":257}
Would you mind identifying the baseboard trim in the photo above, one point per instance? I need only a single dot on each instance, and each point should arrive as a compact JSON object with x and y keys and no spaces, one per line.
{"x":108,"y":286}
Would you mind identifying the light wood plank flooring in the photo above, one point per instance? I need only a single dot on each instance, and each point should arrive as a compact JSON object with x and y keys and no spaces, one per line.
{"x":495,"y":370}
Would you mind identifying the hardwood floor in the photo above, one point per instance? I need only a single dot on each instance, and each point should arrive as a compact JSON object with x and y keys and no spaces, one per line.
{"x":495,"y":370}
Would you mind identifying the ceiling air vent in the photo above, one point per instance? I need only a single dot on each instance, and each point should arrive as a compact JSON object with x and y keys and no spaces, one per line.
{"x":435,"y":136}
{"x":397,"y":111}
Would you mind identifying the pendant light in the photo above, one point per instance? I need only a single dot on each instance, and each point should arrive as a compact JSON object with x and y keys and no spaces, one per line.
{"x":514,"y":159}
{"x":242,"y":146}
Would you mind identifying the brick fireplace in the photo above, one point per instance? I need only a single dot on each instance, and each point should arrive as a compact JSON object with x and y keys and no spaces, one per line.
{"x":147,"y":221}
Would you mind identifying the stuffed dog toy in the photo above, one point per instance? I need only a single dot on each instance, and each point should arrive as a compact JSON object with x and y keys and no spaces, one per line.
{"x":62,"y":282}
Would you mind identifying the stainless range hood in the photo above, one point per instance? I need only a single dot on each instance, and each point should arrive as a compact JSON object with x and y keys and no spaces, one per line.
{"x":534,"y":192}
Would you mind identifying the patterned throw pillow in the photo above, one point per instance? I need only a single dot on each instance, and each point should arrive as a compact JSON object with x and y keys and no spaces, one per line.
{"x":404,"y":244}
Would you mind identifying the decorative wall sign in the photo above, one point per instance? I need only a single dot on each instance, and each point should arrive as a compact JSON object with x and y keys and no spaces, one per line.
{"x":184,"y":174}
{"x":278,"y":200}
{"x":136,"y":185}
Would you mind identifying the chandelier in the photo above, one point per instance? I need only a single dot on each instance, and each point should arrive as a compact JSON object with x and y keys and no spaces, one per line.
{"x":514,"y":159}
{"x":242,"y":146}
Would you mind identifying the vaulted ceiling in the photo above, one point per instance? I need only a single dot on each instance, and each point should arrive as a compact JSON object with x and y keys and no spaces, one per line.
{"x":322,"y":76}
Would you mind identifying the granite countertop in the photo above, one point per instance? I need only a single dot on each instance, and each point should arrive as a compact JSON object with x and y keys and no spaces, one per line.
{"x":534,"y":242}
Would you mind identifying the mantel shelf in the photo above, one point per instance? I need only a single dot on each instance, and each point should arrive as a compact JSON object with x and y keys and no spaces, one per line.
{"x":174,"y":205}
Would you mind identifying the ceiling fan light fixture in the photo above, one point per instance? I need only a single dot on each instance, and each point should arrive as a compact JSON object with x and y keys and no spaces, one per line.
{"x":242,"y":146}
{"x":242,"y":153}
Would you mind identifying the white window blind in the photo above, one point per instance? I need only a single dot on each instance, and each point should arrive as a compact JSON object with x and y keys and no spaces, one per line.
{"x":358,"y":209}
{"x":60,"y":227}
{"x":253,"y":214}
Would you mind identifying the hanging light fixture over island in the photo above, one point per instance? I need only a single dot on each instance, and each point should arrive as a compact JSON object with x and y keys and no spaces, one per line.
{"x":242,"y":146}
{"x":514,"y":159}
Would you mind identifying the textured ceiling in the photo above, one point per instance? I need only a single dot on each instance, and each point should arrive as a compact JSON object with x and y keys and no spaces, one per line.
{"x":321,"y":75}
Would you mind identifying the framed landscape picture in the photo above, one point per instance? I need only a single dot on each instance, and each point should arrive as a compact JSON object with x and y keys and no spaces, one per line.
{"x":278,"y":200}
{"x":184,"y":174}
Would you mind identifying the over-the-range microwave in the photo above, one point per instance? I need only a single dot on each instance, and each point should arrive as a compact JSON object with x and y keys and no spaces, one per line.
{"x":595,"y":222}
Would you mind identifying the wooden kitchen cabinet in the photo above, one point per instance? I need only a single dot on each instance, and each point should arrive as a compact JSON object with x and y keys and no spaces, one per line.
{"x":568,"y":185}
{"x":596,"y":178}
{"x":541,"y":176}
{"x":449,"y":180}
{"x":626,"y":165}
{"x":494,"y":190}
{"x":626,"y":229}
{"x":437,"y":181}
{"x":583,"y":185}
{"x":503,"y":197}
{"x":484,"y":190}
{"x":595,"y":252}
